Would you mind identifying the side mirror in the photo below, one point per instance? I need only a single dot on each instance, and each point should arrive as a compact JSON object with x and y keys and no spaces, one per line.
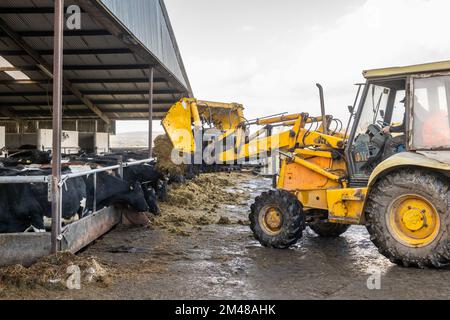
{"x":350,"y":109}
{"x":382,"y":114}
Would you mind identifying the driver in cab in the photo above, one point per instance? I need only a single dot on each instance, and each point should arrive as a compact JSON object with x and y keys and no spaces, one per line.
{"x":398,"y":143}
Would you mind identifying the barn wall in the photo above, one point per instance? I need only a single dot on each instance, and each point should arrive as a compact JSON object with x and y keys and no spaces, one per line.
{"x":42,"y":139}
{"x":94,"y":142}
{"x":69,"y":142}
{"x":101,"y":142}
{"x":15,"y":140}
{"x":28,"y":135}
{"x":86,"y":141}
{"x":30,"y":126}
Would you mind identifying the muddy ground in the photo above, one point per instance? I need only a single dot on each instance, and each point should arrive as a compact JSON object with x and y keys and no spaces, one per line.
{"x":201,"y":248}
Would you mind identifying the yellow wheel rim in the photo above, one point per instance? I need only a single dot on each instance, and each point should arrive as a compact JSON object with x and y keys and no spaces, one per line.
{"x":271,"y":220}
{"x":413,"y":221}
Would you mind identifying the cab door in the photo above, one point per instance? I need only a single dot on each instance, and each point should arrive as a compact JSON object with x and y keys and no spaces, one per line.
{"x":380,"y":104}
{"x":429,"y":122}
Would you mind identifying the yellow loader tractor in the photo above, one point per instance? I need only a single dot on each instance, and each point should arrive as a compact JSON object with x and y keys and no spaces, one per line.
{"x":388,"y":171}
{"x":397,"y":184}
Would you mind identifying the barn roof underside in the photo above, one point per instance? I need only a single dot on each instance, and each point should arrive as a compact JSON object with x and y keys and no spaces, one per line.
{"x":106,"y":66}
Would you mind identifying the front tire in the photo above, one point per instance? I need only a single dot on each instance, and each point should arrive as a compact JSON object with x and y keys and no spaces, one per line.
{"x":408,"y":219}
{"x":277,"y":219}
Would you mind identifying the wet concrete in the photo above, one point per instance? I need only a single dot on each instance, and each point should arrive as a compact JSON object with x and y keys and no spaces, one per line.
{"x":225,"y":262}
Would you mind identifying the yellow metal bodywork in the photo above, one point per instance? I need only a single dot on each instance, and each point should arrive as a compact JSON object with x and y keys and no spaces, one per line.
{"x":407,"y":159}
{"x":224,"y":116}
{"x":310,"y":179}
{"x":282,"y":141}
{"x":346,"y":205}
{"x":323,"y":190}
{"x":188,"y":113}
{"x":178,"y":126}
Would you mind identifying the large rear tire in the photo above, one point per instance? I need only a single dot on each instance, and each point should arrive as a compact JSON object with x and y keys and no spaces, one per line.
{"x":408,"y":218}
{"x":277,"y":219}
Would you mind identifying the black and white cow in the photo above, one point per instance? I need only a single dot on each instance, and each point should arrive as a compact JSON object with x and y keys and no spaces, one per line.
{"x":112,"y":190}
{"x":27,"y":157}
{"x":23,"y":206}
{"x":19,"y":208}
{"x":73,"y":193}
{"x":153,"y":183}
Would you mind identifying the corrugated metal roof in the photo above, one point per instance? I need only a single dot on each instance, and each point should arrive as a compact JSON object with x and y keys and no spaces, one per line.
{"x":110,"y":71}
{"x":147,"y":21}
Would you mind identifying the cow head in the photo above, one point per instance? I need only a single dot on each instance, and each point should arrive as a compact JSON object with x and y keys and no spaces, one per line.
{"x":161,"y":190}
{"x":137,"y":198}
{"x":152,"y":202}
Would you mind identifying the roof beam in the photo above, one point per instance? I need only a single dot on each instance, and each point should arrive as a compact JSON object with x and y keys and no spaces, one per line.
{"x":98,"y":67}
{"x":84,"y":81}
{"x":47,"y":70}
{"x":113,"y":80}
{"x":144,"y":117}
{"x":90,"y":93}
{"x":22,"y":82}
{"x":7,"y":113}
{"x":44,"y":113}
{"x":3,"y":69}
{"x":29,"y":10}
{"x":67,"y":33}
{"x":80,"y":103}
{"x":107,"y":67}
{"x":131,"y":92}
{"x":67,"y":52}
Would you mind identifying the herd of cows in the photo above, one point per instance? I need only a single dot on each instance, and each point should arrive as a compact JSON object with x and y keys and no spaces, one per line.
{"x":25,"y":207}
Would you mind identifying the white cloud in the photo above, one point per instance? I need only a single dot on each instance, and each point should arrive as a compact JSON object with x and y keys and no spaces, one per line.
{"x":281,"y":73}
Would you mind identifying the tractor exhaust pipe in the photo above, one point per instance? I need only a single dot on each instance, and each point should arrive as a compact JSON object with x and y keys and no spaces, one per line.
{"x":322,"y":109}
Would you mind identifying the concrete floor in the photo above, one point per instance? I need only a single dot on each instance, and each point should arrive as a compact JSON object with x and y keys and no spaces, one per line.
{"x":225,"y":262}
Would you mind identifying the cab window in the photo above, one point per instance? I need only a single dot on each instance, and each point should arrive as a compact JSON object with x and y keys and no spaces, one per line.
{"x":430,"y":111}
{"x":374,"y":107}
{"x":398,"y":114}
{"x":382,"y":105}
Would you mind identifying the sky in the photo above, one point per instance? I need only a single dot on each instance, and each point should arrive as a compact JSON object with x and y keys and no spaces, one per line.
{"x":269,"y":54}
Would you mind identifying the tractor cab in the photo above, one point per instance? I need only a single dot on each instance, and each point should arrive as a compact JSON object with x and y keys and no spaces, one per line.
{"x":400,"y":110}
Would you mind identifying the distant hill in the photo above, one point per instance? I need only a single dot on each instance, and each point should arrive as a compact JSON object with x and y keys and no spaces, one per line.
{"x":137,"y":139}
